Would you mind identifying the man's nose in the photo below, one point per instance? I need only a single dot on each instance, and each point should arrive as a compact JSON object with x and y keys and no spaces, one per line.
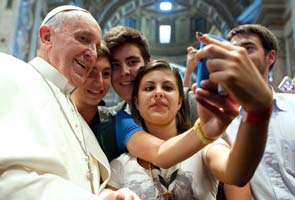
{"x":125,"y":69}
{"x":99,"y":78}
{"x":91,"y":51}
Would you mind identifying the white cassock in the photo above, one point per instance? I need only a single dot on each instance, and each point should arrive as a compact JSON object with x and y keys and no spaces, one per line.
{"x":47,"y":150}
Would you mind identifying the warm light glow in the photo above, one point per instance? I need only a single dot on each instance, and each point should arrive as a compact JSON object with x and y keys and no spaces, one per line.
{"x":165,"y":6}
{"x":165,"y":34}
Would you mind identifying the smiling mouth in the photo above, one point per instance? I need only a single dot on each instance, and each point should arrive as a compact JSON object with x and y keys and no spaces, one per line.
{"x":96,"y":92}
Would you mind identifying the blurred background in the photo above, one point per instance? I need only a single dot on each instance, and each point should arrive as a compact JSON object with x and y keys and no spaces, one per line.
{"x":169,"y":25}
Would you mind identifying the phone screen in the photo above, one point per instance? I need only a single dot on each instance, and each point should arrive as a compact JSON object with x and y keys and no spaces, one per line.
{"x":286,"y":84}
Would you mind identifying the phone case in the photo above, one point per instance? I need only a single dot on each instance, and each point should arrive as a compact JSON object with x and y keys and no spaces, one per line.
{"x":203,"y":73}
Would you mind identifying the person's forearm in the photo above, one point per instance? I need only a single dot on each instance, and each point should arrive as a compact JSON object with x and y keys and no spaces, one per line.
{"x":233,"y":192}
{"x":164,"y":153}
{"x":179,"y":148}
{"x":187,"y":81}
{"x":246,"y":152}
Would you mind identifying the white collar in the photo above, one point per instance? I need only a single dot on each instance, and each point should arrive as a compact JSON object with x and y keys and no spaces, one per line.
{"x":52,"y":74}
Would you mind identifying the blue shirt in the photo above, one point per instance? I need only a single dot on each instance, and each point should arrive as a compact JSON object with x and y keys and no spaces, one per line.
{"x":275,"y":175}
{"x":125,"y":128}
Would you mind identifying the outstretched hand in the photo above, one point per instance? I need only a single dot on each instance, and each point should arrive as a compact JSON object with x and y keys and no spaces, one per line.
{"x":122,"y":194}
{"x":231,"y":66}
{"x":191,"y":63}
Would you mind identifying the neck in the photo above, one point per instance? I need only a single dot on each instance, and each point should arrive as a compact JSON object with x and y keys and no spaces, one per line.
{"x":87,"y":111}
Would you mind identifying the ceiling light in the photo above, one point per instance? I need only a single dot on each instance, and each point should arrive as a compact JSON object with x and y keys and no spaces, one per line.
{"x":166,"y":6}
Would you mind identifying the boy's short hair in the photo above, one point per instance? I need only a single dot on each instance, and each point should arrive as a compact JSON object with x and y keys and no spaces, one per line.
{"x":121,"y":35}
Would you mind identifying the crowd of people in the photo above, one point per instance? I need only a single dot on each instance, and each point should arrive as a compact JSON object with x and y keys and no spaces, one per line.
{"x":59,"y":141}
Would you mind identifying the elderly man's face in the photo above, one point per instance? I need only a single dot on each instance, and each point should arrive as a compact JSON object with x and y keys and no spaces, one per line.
{"x":73,"y":49}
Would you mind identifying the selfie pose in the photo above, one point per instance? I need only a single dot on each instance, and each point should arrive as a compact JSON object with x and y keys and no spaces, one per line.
{"x":158,"y":104}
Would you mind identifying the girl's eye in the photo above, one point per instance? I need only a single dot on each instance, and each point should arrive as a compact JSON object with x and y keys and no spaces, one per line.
{"x":167,"y":88}
{"x":149,"y":88}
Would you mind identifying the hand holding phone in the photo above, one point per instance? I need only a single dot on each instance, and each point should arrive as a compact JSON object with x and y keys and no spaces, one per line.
{"x":203,"y":73}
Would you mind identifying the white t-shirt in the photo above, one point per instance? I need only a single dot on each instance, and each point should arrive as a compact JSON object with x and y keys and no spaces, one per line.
{"x":193,"y":181}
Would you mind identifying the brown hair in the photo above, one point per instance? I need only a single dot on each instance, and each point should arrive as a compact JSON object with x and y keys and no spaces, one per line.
{"x":121,"y":35}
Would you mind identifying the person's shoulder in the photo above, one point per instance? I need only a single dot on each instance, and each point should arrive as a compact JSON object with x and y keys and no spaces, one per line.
{"x":123,"y":114}
{"x":16,"y":73}
{"x":9,"y":58}
{"x":9,"y":63}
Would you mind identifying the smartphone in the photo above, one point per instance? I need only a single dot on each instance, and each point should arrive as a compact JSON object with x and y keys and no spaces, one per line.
{"x":203,"y":73}
{"x":286,"y":84}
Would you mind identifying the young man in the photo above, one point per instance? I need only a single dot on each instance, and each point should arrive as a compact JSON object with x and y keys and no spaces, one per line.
{"x":275,"y":175}
{"x":47,"y":149}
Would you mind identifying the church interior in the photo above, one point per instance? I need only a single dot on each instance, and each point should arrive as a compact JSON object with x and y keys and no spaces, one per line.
{"x":169,"y":25}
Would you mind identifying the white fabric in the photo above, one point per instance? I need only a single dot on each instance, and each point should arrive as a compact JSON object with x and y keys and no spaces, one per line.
{"x":192,"y":182}
{"x":275,"y":175}
{"x":60,"y":9}
{"x":40,"y":157}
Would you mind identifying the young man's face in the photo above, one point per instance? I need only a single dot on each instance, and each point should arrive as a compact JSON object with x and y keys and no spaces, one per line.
{"x":126,"y":61}
{"x":255,"y":51}
{"x":97,"y":84}
{"x":73,"y":49}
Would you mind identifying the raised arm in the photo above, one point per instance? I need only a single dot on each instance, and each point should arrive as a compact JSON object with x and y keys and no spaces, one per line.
{"x":234,"y":70}
{"x":167,"y":153}
{"x":191,"y":63}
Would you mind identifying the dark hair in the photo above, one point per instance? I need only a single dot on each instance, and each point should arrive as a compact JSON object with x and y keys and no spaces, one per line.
{"x":121,"y":35}
{"x":267,"y":38}
{"x":182,"y":116}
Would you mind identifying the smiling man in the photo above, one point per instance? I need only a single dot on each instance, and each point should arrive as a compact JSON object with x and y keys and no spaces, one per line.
{"x":47,"y":149}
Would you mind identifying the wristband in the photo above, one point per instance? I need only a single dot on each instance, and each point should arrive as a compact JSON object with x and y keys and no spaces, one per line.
{"x":197,"y":128}
{"x":251,"y":117}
